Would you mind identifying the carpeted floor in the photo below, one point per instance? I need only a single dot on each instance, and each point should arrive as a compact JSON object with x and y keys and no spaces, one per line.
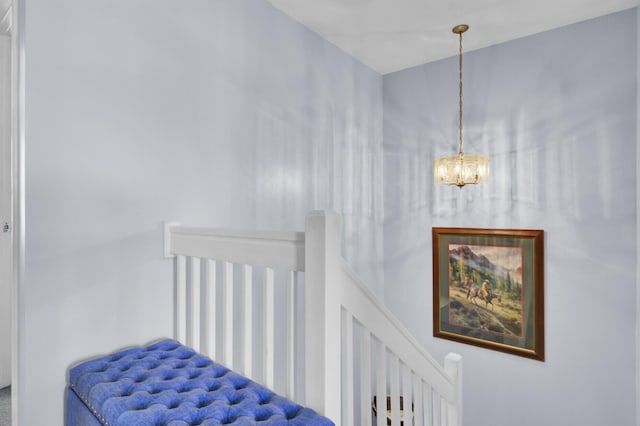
{"x":5,"y":406}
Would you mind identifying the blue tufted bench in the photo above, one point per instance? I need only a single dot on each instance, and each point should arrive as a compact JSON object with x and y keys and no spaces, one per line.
{"x":169,"y":384}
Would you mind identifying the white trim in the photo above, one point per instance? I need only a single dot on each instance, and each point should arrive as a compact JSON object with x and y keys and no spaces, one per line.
{"x":18,"y":154}
{"x":6,"y":212}
{"x":167,"y":239}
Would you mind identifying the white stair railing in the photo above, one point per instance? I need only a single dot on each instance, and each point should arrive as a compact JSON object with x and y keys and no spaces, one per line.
{"x":237,"y":298}
{"x":341,"y":372}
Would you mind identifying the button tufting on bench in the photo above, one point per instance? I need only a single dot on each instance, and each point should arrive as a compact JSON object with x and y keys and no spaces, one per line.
{"x":169,"y":384}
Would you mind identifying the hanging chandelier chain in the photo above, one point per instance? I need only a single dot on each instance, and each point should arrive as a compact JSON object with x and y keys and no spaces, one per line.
{"x":460,"y":96}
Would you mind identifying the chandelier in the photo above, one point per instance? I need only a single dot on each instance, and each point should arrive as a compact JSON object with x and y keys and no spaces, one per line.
{"x":461,"y":169}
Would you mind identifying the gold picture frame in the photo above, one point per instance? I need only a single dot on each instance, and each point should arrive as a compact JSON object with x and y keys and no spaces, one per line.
{"x":488,"y":289}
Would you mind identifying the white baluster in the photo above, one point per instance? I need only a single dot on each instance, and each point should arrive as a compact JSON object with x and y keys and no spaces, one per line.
{"x":418,"y":415}
{"x":347,"y":368}
{"x":181,"y":300}
{"x":194,"y":305}
{"x":291,"y":335}
{"x":365,"y":377}
{"x":248,"y":320}
{"x":228,"y":314}
{"x":269,"y":325}
{"x":211,"y":320}
{"x":407,"y":396}
{"x":381,"y":385}
{"x":394,"y":378}
{"x":429,"y":411}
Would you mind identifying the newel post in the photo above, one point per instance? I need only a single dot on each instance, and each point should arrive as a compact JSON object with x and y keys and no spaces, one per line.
{"x":453,"y":367}
{"x":323,"y":267}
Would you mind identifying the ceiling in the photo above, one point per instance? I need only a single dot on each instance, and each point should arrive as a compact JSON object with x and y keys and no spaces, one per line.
{"x":391,"y":35}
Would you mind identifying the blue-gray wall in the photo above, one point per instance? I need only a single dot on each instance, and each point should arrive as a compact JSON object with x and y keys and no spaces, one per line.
{"x":205,"y":112}
{"x":556,"y":112}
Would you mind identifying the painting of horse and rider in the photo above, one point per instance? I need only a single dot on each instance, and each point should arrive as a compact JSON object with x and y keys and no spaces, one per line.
{"x":485,"y":288}
{"x":488,"y":288}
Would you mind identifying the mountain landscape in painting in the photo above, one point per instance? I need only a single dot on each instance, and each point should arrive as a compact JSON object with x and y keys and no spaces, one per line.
{"x":485,"y":288}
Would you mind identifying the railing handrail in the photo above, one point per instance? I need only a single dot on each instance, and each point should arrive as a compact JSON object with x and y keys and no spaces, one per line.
{"x":285,"y":249}
{"x":445,"y":383}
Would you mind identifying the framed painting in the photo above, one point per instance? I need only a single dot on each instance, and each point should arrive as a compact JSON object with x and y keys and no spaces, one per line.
{"x":488,"y":289}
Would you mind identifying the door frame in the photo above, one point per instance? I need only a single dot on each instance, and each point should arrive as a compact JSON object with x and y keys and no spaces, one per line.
{"x":15,"y":28}
{"x":6,"y":201}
